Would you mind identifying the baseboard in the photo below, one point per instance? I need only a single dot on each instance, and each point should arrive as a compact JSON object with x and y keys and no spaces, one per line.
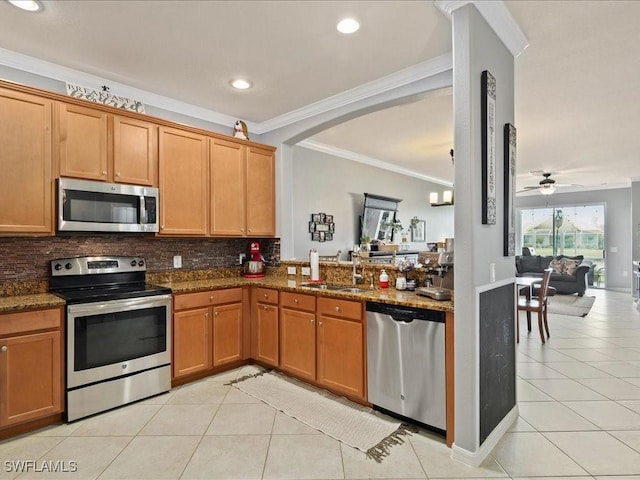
{"x":474,"y":459}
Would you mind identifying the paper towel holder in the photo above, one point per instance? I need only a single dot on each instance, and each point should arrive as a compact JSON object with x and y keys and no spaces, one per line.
{"x":321,"y":227}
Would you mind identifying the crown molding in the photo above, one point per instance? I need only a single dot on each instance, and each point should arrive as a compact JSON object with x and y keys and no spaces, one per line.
{"x":374,"y":162}
{"x":54,"y":71}
{"x":401,"y":78}
{"x":497,"y":16}
{"x":414,"y":73}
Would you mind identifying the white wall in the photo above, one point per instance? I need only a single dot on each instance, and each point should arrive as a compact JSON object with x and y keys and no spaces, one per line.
{"x":617,"y":225}
{"x":332,"y":185}
{"x":476,"y":48}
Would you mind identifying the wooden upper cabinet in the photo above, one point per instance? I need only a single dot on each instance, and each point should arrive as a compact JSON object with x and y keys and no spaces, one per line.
{"x":227,"y":167}
{"x":96,"y":145}
{"x":261,"y":209}
{"x":135,"y":151}
{"x":183,"y":181}
{"x":26,"y":194}
{"x":82,"y":142}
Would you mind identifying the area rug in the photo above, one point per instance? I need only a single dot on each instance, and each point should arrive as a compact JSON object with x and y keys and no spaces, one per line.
{"x":571,"y":305}
{"x":355,"y":425}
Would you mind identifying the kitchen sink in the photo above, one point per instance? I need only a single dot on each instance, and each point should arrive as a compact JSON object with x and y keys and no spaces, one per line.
{"x":337,"y":288}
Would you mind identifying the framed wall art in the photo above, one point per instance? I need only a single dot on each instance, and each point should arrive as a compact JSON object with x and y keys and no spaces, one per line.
{"x":509,"y":190}
{"x":418,"y":231}
{"x":488,"y":126}
{"x":321,"y":227}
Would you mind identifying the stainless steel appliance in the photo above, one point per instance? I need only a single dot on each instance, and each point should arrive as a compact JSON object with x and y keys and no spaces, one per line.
{"x":88,"y":206}
{"x":118,"y":332}
{"x":406,"y":363}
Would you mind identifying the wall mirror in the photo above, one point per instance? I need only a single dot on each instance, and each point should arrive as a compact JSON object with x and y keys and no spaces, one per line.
{"x":379,"y":212}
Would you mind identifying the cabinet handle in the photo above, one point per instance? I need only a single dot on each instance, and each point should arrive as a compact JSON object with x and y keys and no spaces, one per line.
{"x":295,"y":300}
{"x":266,"y":296}
{"x":117,"y":174}
{"x":319,"y":324}
{"x":311,"y":320}
{"x":161,"y":227}
{"x":216,"y":314}
{"x":4,"y":348}
{"x":206,"y":315}
{"x":242,"y":229}
{"x":249,"y":230}
{"x":211,"y":298}
{"x":337,"y":309}
{"x":104,"y":172}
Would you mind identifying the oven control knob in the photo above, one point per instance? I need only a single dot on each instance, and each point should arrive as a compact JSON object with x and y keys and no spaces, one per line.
{"x":68,"y":266}
{"x":133,"y":263}
{"x":57,"y":267}
{"x":141,"y":263}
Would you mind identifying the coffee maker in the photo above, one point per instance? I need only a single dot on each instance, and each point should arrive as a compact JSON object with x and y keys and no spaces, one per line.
{"x":254,"y":264}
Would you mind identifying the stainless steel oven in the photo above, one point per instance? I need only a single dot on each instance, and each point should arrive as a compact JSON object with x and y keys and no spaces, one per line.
{"x":118,"y":333}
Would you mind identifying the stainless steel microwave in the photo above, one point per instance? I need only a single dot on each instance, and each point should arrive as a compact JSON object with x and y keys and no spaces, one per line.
{"x":88,"y":206}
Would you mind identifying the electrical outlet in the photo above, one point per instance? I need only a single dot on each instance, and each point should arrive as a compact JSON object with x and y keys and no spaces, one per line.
{"x":241,"y":257}
{"x":291,"y":271}
{"x":625,"y":273}
{"x":177,"y":261}
{"x":306,"y":271}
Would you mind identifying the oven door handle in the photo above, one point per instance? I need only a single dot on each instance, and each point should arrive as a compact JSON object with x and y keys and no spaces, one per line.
{"x":113,"y":306}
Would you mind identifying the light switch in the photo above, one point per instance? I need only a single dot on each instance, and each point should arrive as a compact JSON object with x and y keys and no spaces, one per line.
{"x":306,"y":271}
{"x":177,"y":261}
{"x":291,"y":271}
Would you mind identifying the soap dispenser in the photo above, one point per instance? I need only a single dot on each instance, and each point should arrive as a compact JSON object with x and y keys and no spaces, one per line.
{"x":384,"y":279}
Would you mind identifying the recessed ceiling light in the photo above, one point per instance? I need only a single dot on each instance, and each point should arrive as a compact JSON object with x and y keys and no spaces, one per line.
{"x":29,"y":5}
{"x":348,"y":25}
{"x":241,"y":84}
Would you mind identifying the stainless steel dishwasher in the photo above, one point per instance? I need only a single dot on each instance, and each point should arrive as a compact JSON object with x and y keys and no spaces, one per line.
{"x":406,"y":363}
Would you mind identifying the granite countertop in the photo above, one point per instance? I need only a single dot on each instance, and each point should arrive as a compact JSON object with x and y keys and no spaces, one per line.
{"x":389,"y":295}
{"x":35,"y":301}
{"x":17,"y":303}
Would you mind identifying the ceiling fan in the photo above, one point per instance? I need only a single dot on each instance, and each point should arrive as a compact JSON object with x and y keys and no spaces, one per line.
{"x":547,"y":185}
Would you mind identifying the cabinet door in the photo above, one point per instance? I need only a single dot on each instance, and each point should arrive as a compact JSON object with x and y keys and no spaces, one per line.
{"x":227,"y":333}
{"x":183,"y":180}
{"x":135,"y":151}
{"x":341,"y":355}
{"x":261,"y":209}
{"x":30,"y":377}
{"x":82,"y":142}
{"x":227,"y":188}
{"x":191,"y":341}
{"x":266,"y":334}
{"x":26,"y":193}
{"x":298,"y":343}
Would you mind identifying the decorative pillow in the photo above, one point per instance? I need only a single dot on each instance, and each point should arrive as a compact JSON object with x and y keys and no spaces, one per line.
{"x":557,"y":266}
{"x":570,"y":266}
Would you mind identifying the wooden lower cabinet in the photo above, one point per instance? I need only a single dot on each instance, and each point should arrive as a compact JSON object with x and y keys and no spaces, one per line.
{"x":323,"y":342}
{"x":191,"y":341}
{"x":227,"y":334}
{"x":265,"y":342}
{"x":30,"y":366}
{"x":298,"y":341}
{"x":207,"y":330}
{"x":340,"y":355}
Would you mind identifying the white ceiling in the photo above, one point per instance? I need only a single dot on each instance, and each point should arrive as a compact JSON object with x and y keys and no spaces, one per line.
{"x":576,"y":102}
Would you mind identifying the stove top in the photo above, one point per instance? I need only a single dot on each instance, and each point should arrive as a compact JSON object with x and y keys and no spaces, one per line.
{"x":105,"y":294}
{"x":100,"y":279}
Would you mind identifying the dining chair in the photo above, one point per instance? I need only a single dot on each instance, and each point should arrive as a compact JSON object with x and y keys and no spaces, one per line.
{"x":536,"y":304}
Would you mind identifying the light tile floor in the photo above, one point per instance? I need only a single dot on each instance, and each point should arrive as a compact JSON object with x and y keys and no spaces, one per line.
{"x":579,"y":401}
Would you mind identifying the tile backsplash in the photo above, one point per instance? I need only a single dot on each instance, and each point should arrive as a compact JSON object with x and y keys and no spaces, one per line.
{"x":26,"y":259}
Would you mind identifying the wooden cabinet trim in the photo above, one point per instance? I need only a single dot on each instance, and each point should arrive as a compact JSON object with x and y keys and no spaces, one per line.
{"x":298,"y":301}
{"x":185,"y":301}
{"x":23,"y":322}
{"x":340,"y":308}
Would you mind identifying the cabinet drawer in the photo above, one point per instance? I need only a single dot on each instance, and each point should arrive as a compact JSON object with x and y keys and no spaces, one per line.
{"x":210,"y":297}
{"x":298,"y":301}
{"x":11,"y":323}
{"x":340,"y":308}
{"x":266,"y":295}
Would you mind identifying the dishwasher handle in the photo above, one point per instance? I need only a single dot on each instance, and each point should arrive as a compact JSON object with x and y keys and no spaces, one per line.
{"x":406,"y":314}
